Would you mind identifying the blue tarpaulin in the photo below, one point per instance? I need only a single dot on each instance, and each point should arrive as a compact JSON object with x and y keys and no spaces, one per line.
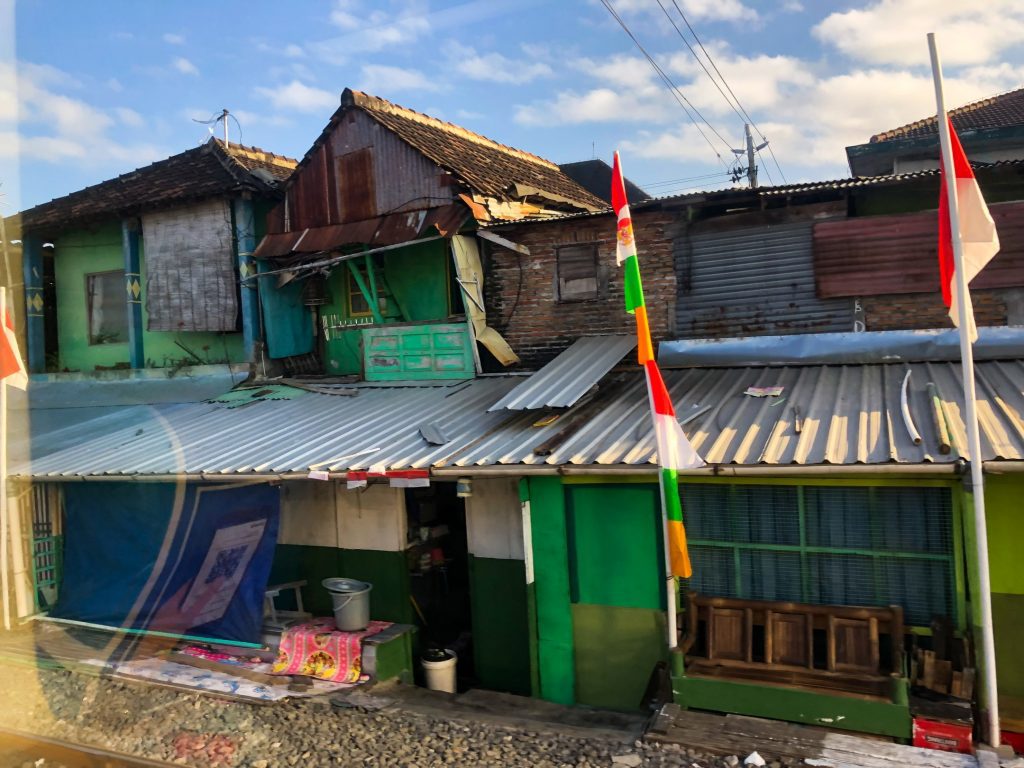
{"x":186,"y":558}
{"x":286,"y":321}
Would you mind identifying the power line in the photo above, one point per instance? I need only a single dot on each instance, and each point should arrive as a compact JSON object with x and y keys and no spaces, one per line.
{"x":726,"y":84}
{"x":702,"y":64}
{"x":718,"y":175}
{"x":680,"y":98}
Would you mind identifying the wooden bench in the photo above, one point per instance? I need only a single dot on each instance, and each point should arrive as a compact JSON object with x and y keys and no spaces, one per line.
{"x":851,"y":650}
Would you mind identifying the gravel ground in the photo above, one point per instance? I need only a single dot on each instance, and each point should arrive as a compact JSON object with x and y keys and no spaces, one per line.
{"x":195,"y":730}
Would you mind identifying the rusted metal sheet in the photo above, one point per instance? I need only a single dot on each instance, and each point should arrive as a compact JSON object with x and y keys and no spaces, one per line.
{"x":382,"y":230}
{"x":276,"y":245}
{"x":401,"y":179}
{"x":357,"y":199}
{"x":877,"y":255}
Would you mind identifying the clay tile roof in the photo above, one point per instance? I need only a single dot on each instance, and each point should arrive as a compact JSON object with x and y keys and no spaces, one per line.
{"x":1000,"y":111}
{"x":483,"y":164}
{"x":205,"y":171}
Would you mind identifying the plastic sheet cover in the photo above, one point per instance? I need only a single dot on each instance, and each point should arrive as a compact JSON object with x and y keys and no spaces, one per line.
{"x":181,"y":558}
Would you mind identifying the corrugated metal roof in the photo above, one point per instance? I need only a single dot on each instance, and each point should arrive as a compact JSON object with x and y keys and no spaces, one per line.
{"x":378,"y":425}
{"x":567,"y":378}
{"x":848,"y":415}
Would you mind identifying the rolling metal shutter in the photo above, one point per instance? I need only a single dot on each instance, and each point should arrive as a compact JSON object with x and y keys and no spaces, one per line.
{"x":752,"y":282}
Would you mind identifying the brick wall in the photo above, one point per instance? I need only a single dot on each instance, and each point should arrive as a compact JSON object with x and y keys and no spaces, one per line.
{"x":908,"y":311}
{"x":521,"y":291}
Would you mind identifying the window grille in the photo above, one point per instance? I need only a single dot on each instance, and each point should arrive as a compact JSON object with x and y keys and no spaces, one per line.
{"x":825,"y":545}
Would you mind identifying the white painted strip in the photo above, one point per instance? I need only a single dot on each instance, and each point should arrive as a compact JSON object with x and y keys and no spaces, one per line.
{"x":527,"y":542}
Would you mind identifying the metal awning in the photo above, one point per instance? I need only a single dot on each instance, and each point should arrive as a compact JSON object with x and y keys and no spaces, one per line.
{"x":567,"y":378}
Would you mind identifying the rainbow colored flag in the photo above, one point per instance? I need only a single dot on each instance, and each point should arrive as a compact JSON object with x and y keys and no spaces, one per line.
{"x":674,"y":450}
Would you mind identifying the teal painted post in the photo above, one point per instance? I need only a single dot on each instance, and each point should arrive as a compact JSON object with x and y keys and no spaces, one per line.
{"x":35,"y":323}
{"x":245,"y":244}
{"x":133,"y":291}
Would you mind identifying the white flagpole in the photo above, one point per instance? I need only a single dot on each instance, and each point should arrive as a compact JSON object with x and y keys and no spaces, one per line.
{"x":983,"y":596}
{"x":4,"y":511}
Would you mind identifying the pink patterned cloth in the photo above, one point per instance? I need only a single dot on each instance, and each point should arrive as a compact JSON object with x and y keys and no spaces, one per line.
{"x":319,"y":649}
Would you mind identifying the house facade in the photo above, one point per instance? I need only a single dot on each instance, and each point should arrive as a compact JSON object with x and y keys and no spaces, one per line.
{"x":143,"y":271}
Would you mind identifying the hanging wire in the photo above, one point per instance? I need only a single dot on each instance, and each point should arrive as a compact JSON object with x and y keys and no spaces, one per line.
{"x":685,"y":103}
{"x":725,"y":82}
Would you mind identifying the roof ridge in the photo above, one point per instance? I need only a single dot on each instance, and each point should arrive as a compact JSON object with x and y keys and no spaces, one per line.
{"x":964,"y":109}
{"x":233,"y":149}
{"x":377,"y":104}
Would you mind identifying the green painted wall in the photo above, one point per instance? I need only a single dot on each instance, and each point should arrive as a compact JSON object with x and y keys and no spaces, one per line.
{"x":82,"y":252}
{"x":389,"y":599}
{"x":616,"y":582}
{"x":615,"y":546}
{"x":414,"y":284}
{"x":1005,"y":534}
{"x":555,"y":657}
{"x":616,"y":651}
{"x":501,"y":642}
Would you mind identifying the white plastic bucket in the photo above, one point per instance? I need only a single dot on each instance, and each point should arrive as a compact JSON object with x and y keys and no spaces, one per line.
{"x":441,"y":674}
{"x":351,"y":599}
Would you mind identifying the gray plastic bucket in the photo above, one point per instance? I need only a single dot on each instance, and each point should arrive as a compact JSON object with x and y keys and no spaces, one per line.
{"x":351,"y":600}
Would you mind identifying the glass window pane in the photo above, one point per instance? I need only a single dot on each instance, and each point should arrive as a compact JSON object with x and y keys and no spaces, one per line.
{"x":107,"y":307}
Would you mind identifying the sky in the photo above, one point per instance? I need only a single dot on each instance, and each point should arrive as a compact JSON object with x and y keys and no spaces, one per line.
{"x":89,"y":90}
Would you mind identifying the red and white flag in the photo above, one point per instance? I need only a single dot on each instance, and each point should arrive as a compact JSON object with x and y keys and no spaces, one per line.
{"x":977,"y":233}
{"x":12,"y":369}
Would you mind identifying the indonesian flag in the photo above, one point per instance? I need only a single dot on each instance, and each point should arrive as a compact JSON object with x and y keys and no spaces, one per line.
{"x":674,"y":450}
{"x":625,"y":256}
{"x":977,"y":233}
{"x":674,"y":453}
{"x":12,"y":369}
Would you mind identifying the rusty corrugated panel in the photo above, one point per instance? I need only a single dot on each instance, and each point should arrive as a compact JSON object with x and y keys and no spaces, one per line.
{"x":276,"y":245}
{"x":307,"y":195}
{"x":383,"y":230}
{"x":321,"y":239}
{"x":447,"y":220}
{"x":358,"y":199}
{"x":876,"y":255}
{"x":399,"y":228}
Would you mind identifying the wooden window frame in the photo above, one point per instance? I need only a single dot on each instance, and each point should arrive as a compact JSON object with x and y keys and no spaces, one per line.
{"x":600,"y":276}
{"x":352,"y":289}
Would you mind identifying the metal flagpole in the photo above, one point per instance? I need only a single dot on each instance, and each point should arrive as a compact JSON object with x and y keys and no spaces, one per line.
{"x":983,"y":596}
{"x":4,"y":586}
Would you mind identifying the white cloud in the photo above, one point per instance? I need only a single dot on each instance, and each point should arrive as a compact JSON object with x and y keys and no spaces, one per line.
{"x":115,"y":85}
{"x":695,"y":10}
{"x":496,"y":67}
{"x":129,"y":117}
{"x":172,"y":39}
{"x":299,"y":97}
{"x":382,"y":79}
{"x":792,"y":6}
{"x":468,"y":114}
{"x":42,"y":123}
{"x":893,"y":31}
{"x":368,"y":31}
{"x":185,"y":66}
{"x":294,"y":51}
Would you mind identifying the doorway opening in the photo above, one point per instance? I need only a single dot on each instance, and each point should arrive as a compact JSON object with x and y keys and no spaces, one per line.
{"x":437,"y":557}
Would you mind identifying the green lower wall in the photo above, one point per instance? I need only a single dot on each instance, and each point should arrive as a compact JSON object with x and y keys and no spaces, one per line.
{"x":555,"y":655}
{"x":501,"y":640}
{"x":617,"y":649}
{"x":1005,"y":533}
{"x":389,"y":599}
{"x":83,"y":252}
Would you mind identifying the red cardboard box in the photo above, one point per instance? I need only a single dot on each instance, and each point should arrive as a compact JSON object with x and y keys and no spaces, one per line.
{"x":1015,"y":740}
{"x":948,"y":737}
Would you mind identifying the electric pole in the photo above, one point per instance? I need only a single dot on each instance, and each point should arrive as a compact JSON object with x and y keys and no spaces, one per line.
{"x":751,"y":169}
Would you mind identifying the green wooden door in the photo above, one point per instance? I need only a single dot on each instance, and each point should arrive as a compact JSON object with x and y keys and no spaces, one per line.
{"x":616,"y":590}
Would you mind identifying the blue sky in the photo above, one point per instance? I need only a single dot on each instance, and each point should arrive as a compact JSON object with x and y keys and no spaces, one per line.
{"x":89,"y":90}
